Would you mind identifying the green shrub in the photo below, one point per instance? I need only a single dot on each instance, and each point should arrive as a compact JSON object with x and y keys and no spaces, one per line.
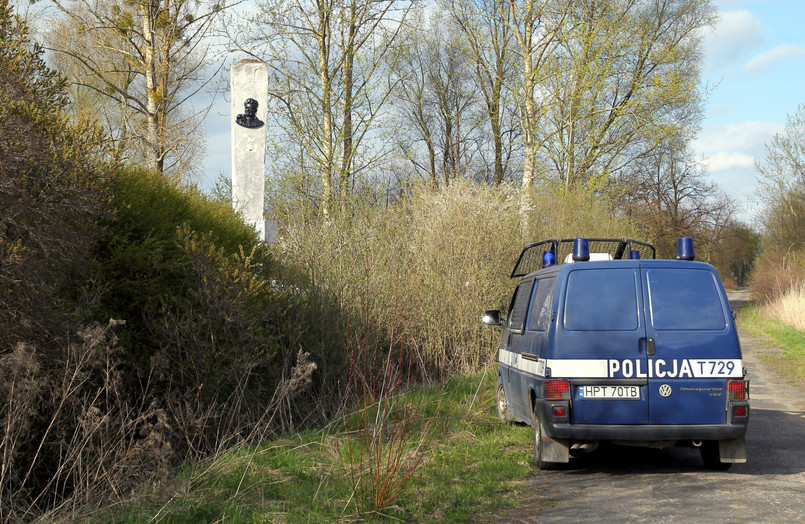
{"x":50,"y":199}
{"x":203,"y":321}
{"x":140,"y":258}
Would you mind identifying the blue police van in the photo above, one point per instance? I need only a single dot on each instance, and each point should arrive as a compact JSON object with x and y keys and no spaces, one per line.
{"x":604,"y":342}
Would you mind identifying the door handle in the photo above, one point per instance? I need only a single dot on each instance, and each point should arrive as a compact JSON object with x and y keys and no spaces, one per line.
{"x":651,"y":346}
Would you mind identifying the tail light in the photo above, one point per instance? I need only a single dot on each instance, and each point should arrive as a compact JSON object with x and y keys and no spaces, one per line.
{"x":556,"y":389}
{"x":737,"y":390}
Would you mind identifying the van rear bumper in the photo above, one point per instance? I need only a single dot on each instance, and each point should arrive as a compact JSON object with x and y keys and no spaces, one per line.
{"x":644,"y":432}
{"x":561,"y":427}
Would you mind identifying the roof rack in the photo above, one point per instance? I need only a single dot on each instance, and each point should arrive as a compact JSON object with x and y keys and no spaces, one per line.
{"x":531,"y":257}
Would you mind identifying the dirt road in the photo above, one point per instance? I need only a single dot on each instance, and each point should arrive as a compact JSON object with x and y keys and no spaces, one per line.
{"x":621,"y":484}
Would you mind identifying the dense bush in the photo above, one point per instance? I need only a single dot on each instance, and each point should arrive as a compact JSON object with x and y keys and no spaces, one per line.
{"x":777,"y":272}
{"x":48,"y":184}
{"x":211,"y":327}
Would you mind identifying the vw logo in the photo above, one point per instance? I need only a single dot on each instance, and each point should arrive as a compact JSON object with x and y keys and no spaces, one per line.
{"x":665,"y":390}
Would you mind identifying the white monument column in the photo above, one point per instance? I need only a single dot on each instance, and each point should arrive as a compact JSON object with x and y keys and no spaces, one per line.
{"x":249,"y":89}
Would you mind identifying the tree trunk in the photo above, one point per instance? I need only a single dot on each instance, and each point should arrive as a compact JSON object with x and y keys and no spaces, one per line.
{"x":154,"y":160}
{"x":326,"y":165}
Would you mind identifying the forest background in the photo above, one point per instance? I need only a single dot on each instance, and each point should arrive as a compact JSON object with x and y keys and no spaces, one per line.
{"x":414,"y":149}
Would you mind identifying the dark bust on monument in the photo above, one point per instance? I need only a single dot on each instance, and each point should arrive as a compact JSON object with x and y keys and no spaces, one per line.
{"x":249,"y":117}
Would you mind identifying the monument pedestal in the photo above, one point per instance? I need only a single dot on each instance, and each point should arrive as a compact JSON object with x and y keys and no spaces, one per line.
{"x":249,"y":90}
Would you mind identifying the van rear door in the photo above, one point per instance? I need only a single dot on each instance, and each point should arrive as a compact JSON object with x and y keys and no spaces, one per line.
{"x":603,"y":328}
{"x":693,"y":346}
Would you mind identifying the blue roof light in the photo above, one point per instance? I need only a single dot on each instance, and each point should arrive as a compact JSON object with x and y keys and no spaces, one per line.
{"x":581,"y":250}
{"x":684,"y":249}
{"x":548,"y":258}
{"x":634,"y":254}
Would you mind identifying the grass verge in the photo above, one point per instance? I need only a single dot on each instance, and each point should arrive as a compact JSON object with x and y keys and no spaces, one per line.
{"x":791,"y":362}
{"x":470,"y":470}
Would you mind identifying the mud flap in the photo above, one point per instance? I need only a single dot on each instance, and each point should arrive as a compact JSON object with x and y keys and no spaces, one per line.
{"x":555,"y":450}
{"x":732,"y":451}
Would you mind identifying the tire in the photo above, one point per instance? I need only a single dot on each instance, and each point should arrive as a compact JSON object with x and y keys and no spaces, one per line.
{"x":536,"y":432}
{"x":504,"y":413}
{"x":712,"y":457}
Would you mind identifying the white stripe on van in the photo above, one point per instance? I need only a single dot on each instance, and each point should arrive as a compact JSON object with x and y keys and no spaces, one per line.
{"x":626,"y":368}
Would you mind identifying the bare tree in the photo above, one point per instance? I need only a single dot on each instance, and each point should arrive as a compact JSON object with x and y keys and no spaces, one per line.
{"x":435,"y":97}
{"x":782,"y":184}
{"x":670,"y":198}
{"x":488,"y":44}
{"x":136,"y":66}
{"x":327,"y":63}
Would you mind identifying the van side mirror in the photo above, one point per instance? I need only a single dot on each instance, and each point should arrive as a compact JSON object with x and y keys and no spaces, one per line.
{"x":492,"y":318}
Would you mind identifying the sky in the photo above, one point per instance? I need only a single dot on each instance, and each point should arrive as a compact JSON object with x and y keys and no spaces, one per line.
{"x":755,"y":66}
{"x":755,"y":60}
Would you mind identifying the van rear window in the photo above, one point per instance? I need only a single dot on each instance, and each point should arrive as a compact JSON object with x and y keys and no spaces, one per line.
{"x":602,"y":300}
{"x":684,"y":299}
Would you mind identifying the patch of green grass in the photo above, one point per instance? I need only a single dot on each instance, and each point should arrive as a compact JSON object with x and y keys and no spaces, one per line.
{"x":469,"y":468}
{"x":789,"y":339}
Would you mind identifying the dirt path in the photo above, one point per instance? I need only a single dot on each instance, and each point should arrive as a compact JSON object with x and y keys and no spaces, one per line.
{"x":620,"y":484}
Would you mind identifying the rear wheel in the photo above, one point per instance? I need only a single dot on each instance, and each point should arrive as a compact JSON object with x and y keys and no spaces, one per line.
{"x":712,"y":457}
{"x":504,"y":413}
{"x":537,"y":436}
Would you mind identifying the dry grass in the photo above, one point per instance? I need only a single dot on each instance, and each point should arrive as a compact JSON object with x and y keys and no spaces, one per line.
{"x":789,"y":307}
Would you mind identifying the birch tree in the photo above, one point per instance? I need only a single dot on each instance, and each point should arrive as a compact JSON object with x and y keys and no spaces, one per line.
{"x":535,"y":25}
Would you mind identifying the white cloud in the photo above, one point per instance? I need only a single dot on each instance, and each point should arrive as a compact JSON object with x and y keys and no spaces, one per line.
{"x":727,"y":160}
{"x":736,"y":33}
{"x":770,"y":58}
{"x":729,"y":152}
{"x":730,"y":145}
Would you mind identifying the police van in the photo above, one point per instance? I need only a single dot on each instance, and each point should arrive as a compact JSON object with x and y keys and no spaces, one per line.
{"x":604,"y":342}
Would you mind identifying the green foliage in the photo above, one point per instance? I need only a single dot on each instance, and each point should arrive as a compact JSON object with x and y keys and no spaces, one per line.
{"x":204,"y":350}
{"x":48,"y":200}
{"x":50,"y":194}
{"x":140,"y":257}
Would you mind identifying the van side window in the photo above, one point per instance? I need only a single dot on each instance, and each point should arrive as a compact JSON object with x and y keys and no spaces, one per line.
{"x":519,"y":307}
{"x":541,"y":306}
{"x":684,"y":299}
{"x":601,"y":300}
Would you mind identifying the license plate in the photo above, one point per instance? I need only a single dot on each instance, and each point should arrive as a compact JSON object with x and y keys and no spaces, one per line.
{"x":609,"y":392}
